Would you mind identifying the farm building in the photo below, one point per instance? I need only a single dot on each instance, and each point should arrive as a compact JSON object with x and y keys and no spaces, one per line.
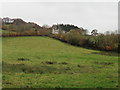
{"x":57,"y":30}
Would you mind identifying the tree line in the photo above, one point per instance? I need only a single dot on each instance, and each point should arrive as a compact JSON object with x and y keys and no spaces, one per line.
{"x":74,"y":35}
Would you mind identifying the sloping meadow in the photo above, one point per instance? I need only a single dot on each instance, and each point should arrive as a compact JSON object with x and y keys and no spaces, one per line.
{"x":42,"y":62}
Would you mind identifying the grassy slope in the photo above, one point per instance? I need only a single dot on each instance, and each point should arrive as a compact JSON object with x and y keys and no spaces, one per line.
{"x":84,"y":68}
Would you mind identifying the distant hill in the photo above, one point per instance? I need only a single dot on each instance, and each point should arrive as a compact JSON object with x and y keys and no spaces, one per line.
{"x":18,"y":25}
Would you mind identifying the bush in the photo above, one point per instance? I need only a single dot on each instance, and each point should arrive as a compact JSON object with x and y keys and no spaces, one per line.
{"x":75,"y":38}
{"x":104,"y":42}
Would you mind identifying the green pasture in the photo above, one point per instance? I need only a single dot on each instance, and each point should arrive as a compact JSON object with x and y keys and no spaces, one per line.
{"x":42,"y":62}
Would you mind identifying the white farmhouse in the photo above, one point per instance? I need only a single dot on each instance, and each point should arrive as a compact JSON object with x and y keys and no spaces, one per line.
{"x":56,"y":30}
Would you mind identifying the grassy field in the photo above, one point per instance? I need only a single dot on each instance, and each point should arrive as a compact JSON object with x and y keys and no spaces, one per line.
{"x":42,"y":62}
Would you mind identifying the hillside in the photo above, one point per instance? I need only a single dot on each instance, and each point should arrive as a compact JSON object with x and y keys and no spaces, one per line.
{"x":42,"y":62}
{"x":69,"y":33}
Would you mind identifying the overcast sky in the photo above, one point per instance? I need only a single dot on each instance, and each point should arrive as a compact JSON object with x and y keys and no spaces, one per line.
{"x":102,"y":16}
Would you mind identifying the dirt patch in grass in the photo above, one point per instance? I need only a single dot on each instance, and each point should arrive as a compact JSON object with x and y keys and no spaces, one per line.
{"x":23,"y":59}
{"x":63,"y":63}
{"x":6,"y":82}
{"x":80,"y":66}
{"x":52,"y":62}
{"x":104,"y":63}
{"x":49,"y":62}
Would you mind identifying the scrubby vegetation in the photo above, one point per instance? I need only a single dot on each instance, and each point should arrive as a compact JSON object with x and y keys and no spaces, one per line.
{"x":102,"y":42}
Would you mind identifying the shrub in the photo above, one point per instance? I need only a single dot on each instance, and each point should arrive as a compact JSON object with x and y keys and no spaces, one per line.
{"x":104,"y":42}
{"x":75,"y":38}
